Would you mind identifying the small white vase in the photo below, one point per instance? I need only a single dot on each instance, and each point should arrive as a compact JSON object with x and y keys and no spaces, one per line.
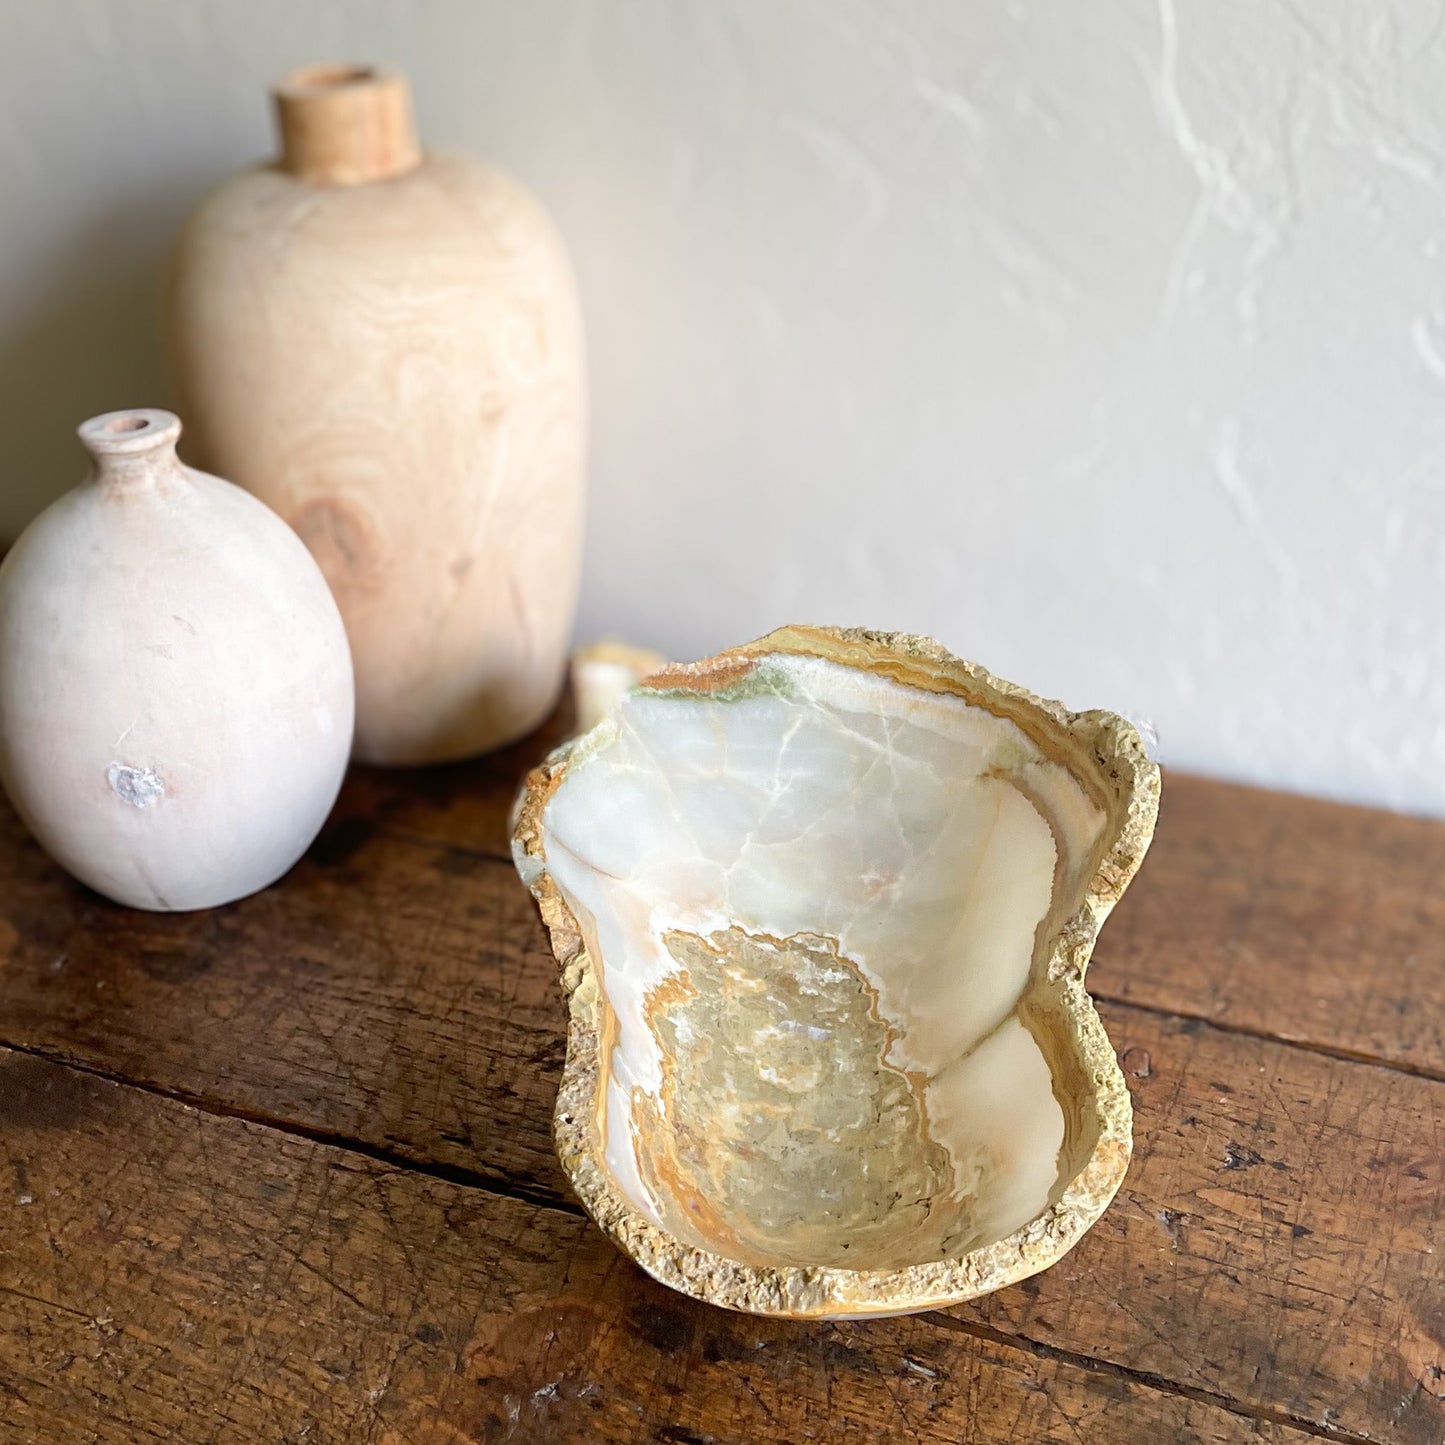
{"x":176,"y":696}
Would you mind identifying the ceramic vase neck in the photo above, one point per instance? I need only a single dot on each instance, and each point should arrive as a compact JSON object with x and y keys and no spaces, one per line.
{"x":345,"y":125}
{"x":133,"y":449}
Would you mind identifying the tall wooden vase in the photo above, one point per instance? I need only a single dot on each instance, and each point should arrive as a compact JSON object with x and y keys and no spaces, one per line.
{"x":385,"y":346}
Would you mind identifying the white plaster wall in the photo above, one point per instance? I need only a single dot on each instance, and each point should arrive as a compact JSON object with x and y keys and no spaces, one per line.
{"x":1104,"y":341}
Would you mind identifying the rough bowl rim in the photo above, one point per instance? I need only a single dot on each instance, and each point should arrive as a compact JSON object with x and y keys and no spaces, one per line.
{"x":832,"y":1292}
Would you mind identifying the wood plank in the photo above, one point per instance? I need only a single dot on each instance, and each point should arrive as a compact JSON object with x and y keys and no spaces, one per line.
{"x":1288,"y":916}
{"x":1304,"y":920}
{"x":1280,"y":1235}
{"x":412,"y":1007}
{"x":391,"y":992}
{"x":166,"y":1274}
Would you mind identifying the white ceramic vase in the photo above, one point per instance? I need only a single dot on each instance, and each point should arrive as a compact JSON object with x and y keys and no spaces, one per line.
{"x":176,"y":698}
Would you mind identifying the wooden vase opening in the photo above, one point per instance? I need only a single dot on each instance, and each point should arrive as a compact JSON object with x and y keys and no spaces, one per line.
{"x":345,"y":125}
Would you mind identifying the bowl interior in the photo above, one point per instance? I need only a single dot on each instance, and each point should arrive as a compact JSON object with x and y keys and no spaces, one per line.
{"x":819,"y":903}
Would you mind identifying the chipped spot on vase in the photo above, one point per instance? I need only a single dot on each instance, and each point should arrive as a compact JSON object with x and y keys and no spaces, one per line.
{"x":140,"y":787}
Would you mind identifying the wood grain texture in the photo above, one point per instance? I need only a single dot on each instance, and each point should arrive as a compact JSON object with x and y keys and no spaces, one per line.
{"x":1280,"y":1236}
{"x":398,"y":371}
{"x":1276,"y":1247}
{"x":412,"y":1008}
{"x":392,"y":992}
{"x":1288,"y":916}
{"x":214,"y":1282}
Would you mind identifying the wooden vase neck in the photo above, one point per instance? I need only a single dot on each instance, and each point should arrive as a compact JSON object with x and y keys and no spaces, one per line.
{"x":345,"y":125}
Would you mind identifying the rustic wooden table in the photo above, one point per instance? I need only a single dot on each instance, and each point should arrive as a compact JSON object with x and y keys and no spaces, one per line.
{"x":282,"y":1172}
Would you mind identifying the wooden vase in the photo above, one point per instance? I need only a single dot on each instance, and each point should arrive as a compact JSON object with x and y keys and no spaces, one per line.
{"x":385,"y":346}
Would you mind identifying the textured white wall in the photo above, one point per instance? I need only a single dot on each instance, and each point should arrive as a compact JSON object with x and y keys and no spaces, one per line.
{"x":1105,"y":342}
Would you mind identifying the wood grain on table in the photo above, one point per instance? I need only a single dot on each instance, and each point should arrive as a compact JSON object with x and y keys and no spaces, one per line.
{"x":283,"y":1172}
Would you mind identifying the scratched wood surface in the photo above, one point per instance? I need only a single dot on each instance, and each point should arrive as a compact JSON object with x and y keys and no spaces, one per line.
{"x":283,"y":1171}
{"x":1290,"y":917}
{"x":175,"y":1275}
